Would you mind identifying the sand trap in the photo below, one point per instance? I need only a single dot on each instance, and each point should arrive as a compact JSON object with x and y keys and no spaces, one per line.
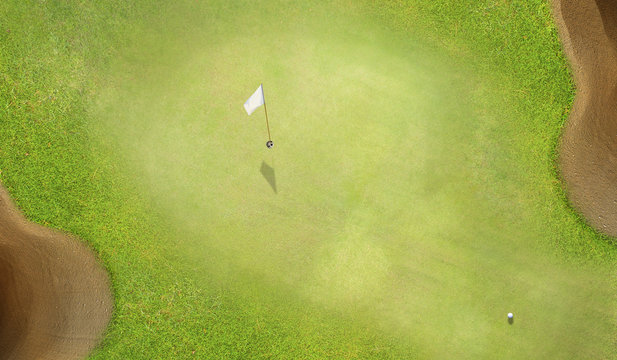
{"x":55,"y":299}
{"x":588,"y":154}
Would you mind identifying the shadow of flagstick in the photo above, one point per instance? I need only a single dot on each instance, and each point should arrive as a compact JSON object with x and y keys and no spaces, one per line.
{"x":268,"y":173}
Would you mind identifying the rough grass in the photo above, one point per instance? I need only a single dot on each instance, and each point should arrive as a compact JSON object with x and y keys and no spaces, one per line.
{"x":403,"y":227}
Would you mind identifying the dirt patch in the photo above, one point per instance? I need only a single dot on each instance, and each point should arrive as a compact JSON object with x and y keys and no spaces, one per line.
{"x":55,"y":299}
{"x":588,"y":154}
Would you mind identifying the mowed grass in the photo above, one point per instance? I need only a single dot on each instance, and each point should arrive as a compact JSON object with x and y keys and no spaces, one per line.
{"x":416,"y":200}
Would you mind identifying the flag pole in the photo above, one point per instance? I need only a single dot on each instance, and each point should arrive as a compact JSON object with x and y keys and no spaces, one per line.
{"x":266,"y":111}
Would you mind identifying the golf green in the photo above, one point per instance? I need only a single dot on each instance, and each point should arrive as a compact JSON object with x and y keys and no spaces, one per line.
{"x":408,"y":205}
{"x":393,"y":193}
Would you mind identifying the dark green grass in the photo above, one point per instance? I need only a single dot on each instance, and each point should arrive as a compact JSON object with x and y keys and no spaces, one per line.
{"x":53,"y":59}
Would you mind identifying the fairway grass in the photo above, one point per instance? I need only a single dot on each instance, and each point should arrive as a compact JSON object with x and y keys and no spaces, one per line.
{"x":416,"y":200}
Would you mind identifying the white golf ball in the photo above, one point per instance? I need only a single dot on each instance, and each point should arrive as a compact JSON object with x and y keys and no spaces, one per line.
{"x":510,"y":315}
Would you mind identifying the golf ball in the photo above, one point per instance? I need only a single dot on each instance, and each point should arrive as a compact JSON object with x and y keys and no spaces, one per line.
{"x":510,"y":315}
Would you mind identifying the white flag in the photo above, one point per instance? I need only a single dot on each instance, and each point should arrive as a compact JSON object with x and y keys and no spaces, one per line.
{"x":255,"y":101}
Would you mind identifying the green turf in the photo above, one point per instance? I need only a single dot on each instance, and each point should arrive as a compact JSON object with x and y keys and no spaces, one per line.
{"x":417,"y":200}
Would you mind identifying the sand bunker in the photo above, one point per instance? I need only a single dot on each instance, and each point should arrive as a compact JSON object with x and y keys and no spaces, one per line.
{"x":588,"y":155}
{"x":55,"y":300}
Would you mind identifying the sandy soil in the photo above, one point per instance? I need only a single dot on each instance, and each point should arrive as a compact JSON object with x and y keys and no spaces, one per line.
{"x":588,"y":154}
{"x":55,"y":299}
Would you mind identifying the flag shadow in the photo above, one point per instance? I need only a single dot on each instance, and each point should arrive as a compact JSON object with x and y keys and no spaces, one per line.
{"x":268,"y":173}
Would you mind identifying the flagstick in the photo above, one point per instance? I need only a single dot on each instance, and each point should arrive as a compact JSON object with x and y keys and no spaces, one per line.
{"x":266,"y":111}
{"x":267,"y":125}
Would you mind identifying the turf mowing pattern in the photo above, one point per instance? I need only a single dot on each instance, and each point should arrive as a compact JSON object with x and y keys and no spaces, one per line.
{"x":416,"y":198}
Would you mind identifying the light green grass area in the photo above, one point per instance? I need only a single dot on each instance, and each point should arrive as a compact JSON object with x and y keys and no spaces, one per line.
{"x":416,"y":199}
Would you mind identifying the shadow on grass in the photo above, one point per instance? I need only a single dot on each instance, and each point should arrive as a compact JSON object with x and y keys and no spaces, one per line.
{"x":268,"y":173}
